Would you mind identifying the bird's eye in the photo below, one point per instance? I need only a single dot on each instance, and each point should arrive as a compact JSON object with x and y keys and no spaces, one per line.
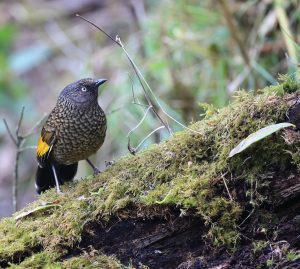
{"x":83,"y":89}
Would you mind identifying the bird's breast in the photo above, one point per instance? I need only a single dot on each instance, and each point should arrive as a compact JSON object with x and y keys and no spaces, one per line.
{"x":80,"y":133}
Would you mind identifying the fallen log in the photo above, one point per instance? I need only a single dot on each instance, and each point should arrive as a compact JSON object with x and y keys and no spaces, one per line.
{"x":180,"y":204}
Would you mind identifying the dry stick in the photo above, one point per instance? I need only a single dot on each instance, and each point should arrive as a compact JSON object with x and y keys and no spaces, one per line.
{"x":224,"y":180}
{"x":143,"y":141}
{"x":131,"y":149}
{"x":38,"y":123}
{"x":142,"y":81}
{"x":135,"y":100}
{"x":141,"y":121}
{"x":14,"y":186}
{"x":9,"y":132}
{"x":241,"y":224}
{"x":19,"y":141}
{"x":19,"y":123}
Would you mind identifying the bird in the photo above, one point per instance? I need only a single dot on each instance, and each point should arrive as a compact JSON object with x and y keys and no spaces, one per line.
{"x":74,"y":130}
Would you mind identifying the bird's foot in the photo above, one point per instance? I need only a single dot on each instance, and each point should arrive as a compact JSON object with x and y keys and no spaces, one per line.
{"x":109,"y":163}
{"x":96,"y":171}
{"x":58,"y":191}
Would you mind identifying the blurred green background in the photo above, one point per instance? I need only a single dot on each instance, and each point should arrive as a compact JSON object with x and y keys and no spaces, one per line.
{"x":190,"y":52}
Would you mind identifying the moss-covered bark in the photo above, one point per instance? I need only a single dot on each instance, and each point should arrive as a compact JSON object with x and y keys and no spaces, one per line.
{"x":183,"y":176}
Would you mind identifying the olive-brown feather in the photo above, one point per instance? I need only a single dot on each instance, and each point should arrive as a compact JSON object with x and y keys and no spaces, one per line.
{"x":76,"y":127}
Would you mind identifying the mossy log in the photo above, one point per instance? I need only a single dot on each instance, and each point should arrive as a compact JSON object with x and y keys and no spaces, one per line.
{"x":180,"y":204}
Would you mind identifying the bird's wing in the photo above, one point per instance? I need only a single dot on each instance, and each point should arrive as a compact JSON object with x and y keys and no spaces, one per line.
{"x":45,"y":144}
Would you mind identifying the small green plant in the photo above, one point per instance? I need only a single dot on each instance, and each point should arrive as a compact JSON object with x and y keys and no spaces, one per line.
{"x":270,"y":263}
{"x":259,"y":245}
{"x":292,"y":255}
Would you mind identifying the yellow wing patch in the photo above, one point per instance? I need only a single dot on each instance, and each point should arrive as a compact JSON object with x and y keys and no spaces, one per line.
{"x":42,"y":148}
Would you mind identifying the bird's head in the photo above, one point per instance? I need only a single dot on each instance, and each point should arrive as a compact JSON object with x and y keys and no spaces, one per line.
{"x":83,"y":91}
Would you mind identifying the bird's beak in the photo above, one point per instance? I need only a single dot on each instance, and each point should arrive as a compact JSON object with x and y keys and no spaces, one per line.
{"x":100,"y":81}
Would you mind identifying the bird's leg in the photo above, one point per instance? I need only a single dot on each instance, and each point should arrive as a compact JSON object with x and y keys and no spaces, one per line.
{"x":95,"y":169}
{"x":58,"y":190}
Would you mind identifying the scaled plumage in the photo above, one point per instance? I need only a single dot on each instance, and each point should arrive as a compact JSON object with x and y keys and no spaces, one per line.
{"x":74,"y":130}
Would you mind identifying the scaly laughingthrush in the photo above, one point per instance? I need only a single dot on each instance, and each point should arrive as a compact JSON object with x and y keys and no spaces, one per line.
{"x":74,"y":130}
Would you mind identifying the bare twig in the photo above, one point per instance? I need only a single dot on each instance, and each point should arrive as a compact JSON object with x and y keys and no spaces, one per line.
{"x":135,"y":99}
{"x":130,"y":148}
{"x":15,"y":183}
{"x":20,"y":122}
{"x":143,"y":141}
{"x":252,"y":211}
{"x":9,"y":132}
{"x":96,"y":26}
{"x":141,"y":121}
{"x":19,"y":141}
{"x":224,"y":180}
{"x":133,"y":150}
{"x":38,"y":123}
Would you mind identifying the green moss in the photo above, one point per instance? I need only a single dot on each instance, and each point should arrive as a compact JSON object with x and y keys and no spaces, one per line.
{"x":42,"y":260}
{"x":38,"y":261}
{"x":289,"y":84}
{"x":188,"y":171}
{"x":94,"y":261}
{"x":259,"y":245}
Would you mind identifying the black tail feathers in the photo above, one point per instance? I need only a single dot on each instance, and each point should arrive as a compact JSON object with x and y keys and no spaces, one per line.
{"x":45,"y":180}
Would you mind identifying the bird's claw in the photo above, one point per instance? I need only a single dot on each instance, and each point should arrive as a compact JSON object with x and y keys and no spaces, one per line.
{"x":96,"y":171}
{"x":58,"y":191}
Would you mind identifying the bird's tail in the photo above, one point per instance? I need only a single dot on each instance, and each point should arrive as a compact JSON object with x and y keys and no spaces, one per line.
{"x":45,"y":180}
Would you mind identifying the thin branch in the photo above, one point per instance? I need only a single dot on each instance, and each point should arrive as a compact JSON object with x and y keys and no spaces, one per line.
{"x":132,"y":90}
{"x":88,"y":21}
{"x":31,"y":131}
{"x":169,"y":126}
{"x":252,"y":211}
{"x":19,"y":141}
{"x":133,"y":150}
{"x":224,"y":180}
{"x":135,"y":100}
{"x":9,"y":132}
{"x":15,"y":182}
{"x":143,"y":141}
{"x":20,"y":122}
{"x":139,"y":104}
{"x":141,"y":121}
